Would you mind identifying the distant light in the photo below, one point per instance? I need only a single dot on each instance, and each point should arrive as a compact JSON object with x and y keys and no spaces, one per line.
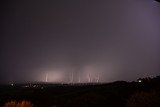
{"x":26,"y":86}
{"x":139,"y":80}
{"x":12,"y":84}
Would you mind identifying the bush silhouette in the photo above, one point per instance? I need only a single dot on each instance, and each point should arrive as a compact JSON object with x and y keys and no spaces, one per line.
{"x":18,"y":104}
{"x":144,"y":99}
{"x":54,"y":106}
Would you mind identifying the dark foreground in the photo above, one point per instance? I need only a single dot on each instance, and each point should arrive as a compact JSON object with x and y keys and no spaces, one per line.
{"x":116,"y":94}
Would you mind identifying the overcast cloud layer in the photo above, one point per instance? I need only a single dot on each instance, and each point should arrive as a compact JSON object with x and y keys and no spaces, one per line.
{"x":106,"y":39}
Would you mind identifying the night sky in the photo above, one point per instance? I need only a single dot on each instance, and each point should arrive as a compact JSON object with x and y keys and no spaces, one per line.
{"x":106,"y":39}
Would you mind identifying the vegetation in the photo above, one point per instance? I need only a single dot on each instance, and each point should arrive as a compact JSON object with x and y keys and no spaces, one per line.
{"x":18,"y":104}
{"x":143,"y":93}
{"x":144,"y":99}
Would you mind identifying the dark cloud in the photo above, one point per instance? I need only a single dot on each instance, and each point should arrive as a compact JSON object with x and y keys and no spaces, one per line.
{"x":115,"y":40}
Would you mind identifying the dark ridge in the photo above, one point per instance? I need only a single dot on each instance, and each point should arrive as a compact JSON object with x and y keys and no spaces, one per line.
{"x":157,"y":0}
{"x":115,"y":94}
